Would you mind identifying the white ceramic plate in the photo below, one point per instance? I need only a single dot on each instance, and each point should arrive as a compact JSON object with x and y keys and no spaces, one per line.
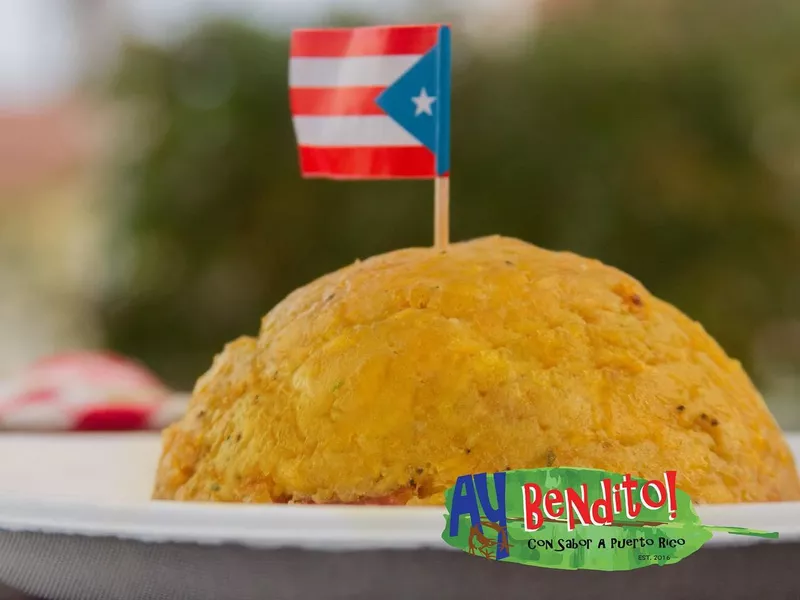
{"x":92,"y":490}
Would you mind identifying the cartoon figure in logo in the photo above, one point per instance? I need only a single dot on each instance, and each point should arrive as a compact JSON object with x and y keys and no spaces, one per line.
{"x":487,"y":545}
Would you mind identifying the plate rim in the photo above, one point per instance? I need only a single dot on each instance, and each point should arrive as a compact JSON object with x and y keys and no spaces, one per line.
{"x":308,"y":526}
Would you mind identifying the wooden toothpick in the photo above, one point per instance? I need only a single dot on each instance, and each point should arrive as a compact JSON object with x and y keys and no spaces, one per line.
{"x":441,"y":224}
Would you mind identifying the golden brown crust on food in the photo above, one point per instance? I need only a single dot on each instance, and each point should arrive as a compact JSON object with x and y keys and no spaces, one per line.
{"x":393,"y":376}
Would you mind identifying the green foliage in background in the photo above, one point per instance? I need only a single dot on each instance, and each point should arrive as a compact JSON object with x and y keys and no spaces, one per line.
{"x":662,"y":138}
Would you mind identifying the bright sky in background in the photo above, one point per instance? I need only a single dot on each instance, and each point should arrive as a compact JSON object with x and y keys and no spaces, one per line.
{"x":40,"y":55}
{"x":37,"y":54}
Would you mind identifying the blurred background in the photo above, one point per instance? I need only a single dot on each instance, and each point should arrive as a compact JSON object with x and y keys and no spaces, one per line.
{"x":150,"y":200}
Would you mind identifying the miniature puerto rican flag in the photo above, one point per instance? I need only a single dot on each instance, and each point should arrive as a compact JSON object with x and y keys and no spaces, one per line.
{"x":372,"y":102}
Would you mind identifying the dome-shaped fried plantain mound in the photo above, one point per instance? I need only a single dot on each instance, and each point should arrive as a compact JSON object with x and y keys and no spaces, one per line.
{"x":386,"y":380}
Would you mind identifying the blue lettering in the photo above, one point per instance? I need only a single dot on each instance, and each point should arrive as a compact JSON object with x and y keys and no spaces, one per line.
{"x":495,"y":515}
{"x":464,"y":503}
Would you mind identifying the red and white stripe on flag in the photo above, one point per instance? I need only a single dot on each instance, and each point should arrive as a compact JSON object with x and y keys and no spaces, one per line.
{"x":335,"y":76}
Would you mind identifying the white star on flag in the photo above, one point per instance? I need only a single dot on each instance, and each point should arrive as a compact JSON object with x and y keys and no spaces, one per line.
{"x":423,"y":103}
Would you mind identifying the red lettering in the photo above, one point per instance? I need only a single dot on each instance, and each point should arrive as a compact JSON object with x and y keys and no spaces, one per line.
{"x":672,"y":500}
{"x":552,"y":504}
{"x":602,"y":512}
{"x":533,"y":513}
{"x":660,"y":493}
{"x":617,"y":500}
{"x":632,"y":508}
{"x":578,"y":504}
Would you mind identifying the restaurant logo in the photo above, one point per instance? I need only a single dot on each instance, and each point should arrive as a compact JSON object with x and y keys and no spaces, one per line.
{"x":573,"y":518}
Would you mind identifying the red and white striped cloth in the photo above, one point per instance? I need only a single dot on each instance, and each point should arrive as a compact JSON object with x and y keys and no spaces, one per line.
{"x":87,"y":392}
{"x":335,"y":77}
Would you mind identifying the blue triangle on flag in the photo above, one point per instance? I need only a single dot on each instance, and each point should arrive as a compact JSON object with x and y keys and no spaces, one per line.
{"x":411,"y":100}
{"x":419,"y":101}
